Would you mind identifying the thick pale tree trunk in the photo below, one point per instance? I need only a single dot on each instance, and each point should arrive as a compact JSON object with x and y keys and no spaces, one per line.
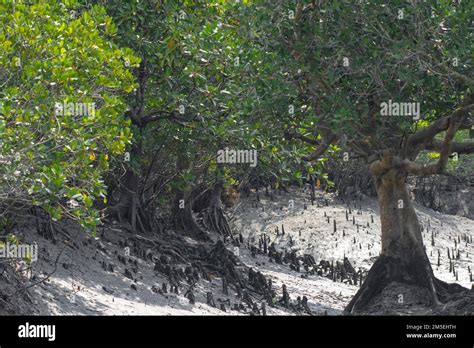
{"x":401,"y":231}
{"x":403,"y":258}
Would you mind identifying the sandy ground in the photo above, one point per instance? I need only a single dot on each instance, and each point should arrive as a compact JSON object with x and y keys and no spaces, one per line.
{"x":81,"y":286}
{"x":308,"y":230}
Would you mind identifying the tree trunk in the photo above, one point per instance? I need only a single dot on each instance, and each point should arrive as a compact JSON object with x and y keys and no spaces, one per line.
{"x":181,"y":210}
{"x":214,"y":217}
{"x":403,"y":258}
{"x":128,"y":188}
{"x":128,"y":208}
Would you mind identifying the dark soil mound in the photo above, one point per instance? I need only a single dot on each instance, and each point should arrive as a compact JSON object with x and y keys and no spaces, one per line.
{"x":403,"y":299}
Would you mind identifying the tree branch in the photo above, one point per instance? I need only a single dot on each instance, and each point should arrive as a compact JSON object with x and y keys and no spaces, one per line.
{"x":157,"y":115}
{"x":294,"y":135}
{"x":327,"y":140}
{"x":445,"y":148}
{"x":418,"y":141}
{"x":412,"y":167}
{"x":460,"y":148}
